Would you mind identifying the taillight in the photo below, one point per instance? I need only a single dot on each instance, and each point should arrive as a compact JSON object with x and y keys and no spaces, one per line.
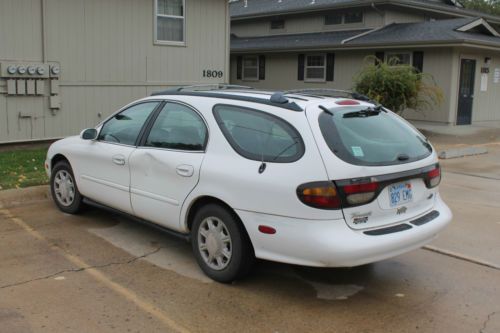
{"x":356,"y":194}
{"x":433,"y":177}
{"x":323,"y":195}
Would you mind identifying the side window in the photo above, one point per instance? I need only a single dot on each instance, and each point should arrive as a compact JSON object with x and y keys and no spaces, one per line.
{"x":178,"y":127}
{"x":124,"y":127}
{"x":258,"y":135}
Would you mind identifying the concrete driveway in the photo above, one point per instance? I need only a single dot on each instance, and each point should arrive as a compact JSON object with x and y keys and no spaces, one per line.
{"x":100,"y":272}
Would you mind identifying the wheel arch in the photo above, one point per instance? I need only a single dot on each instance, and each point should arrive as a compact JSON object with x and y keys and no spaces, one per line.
{"x":201,"y":201}
{"x":58,"y":158}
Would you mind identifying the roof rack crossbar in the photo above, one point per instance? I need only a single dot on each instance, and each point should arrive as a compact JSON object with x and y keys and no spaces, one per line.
{"x":325,"y":92}
{"x":201,"y":87}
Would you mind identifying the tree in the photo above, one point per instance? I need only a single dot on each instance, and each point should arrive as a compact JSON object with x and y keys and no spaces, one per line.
{"x":396,"y":86}
{"x":485,"y":6}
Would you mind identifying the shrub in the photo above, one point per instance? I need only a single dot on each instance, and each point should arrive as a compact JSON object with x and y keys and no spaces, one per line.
{"x":397,"y":87}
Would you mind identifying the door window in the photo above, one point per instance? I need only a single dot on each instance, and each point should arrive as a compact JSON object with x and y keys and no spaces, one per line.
{"x":258,"y":135}
{"x":178,"y":127}
{"x":124,"y":127}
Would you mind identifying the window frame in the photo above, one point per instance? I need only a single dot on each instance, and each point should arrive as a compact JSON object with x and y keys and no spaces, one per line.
{"x":333,"y":24}
{"x":306,"y":66}
{"x":390,"y":55}
{"x":151,"y":123}
{"x":353,"y":11}
{"x":247,"y":155}
{"x":157,"y":41}
{"x":243,"y":77}
{"x":143,"y":128}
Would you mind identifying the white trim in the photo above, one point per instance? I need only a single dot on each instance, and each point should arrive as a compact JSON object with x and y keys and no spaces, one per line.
{"x":157,"y":41}
{"x":306,"y":79}
{"x":256,"y":78}
{"x":476,"y":23}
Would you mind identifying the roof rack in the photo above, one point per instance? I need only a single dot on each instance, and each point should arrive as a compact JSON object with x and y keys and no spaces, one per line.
{"x":269,"y":100}
{"x":321,"y":92}
{"x":201,"y":87}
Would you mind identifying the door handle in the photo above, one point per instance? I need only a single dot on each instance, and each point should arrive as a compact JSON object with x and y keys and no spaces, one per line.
{"x":118,"y":159}
{"x":185,"y":170}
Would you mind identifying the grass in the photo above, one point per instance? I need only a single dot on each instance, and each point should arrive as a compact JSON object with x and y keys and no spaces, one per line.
{"x":22,"y":168}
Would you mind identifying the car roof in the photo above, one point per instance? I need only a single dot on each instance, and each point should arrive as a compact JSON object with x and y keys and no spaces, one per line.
{"x":293,"y":100}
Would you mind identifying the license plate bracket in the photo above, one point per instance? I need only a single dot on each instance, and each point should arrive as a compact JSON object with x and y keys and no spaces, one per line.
{"x":400,"y":193}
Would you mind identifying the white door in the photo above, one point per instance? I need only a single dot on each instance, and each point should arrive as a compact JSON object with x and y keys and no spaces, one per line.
{"x":166,"y":166}
{"x":103,"y":164}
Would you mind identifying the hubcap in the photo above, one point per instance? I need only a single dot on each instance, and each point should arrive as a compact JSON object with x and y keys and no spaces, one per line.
{"x":214,"y":243}
{"x":64,"y":188}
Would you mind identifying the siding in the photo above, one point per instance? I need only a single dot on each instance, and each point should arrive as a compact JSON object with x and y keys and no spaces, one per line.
{"x":107,"y":57}
{"x":281,"y":74}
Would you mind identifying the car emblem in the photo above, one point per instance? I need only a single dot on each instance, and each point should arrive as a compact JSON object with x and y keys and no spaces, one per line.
{"x":401,"y":210}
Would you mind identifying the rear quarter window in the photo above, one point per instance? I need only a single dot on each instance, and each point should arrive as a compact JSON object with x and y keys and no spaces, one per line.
{"x":258,"y":135}
{"x":371,"y":138}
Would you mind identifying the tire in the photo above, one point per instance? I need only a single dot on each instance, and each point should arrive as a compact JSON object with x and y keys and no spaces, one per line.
{"x":64,"y":189}
{"x":215,"y":231}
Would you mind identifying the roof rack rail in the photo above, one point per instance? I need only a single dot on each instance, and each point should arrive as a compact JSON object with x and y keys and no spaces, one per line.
{"x":201,"y":87}
{"x":322,"y":92}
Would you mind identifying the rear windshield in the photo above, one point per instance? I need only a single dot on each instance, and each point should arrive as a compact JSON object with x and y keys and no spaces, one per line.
{"x":368,"y":137}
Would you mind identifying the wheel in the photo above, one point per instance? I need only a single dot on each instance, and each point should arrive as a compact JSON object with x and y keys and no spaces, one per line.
{"x":64,"y":190}
{"x":220,"y":244}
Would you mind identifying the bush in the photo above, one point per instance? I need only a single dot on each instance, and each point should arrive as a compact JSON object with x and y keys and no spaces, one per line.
{"x":397,"y":87}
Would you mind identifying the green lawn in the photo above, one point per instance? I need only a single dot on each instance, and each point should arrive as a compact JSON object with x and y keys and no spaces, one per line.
{"x":22,"y":168}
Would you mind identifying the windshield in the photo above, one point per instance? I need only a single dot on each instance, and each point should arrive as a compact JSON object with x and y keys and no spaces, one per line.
{"x":370,"y":136}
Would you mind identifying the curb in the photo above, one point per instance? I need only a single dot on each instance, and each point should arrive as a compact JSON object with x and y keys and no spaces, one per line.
{"x":17,"y":197}
{"x":461,"y":152}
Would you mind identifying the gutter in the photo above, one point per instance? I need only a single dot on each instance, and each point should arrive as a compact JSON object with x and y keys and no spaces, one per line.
{"x":454,"y":11}
{"x":440,"y":43}
{"x":347,"y":40}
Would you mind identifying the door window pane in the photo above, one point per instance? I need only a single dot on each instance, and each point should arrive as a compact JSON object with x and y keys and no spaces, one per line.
{"x":124,"y":127}
{"x":178,"y":127}
{"x":257,"y":135}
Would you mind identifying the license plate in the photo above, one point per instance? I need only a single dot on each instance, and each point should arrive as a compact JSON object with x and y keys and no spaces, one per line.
{"x":400,"y":193}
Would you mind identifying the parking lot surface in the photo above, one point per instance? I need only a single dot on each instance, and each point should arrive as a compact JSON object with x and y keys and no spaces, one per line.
{"x":100,"y":272}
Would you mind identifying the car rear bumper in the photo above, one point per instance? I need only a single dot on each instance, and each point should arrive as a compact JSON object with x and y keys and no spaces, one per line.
{"x":331,"y":243}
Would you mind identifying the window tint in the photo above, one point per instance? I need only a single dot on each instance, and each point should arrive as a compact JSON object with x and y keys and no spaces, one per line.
{"x":370,"y":138}
{"x":257,"y":135}
{"x":124,"y":127}
{"x":353,"y":17}
{"x":333,"y":19}
{"x":178,"y":127}
{"x":278,"y":24}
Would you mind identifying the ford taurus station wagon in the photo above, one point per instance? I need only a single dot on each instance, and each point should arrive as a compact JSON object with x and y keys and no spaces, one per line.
{"x":313,"y":177}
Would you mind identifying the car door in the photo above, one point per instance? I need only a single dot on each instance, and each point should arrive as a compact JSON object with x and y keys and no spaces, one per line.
{"x":103,"y":164}
{"x":165,"y":167}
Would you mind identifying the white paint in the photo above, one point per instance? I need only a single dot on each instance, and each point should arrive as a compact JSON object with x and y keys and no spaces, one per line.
{"x":59,"y":278}
{"x":496,"y":76}
{"x":484,"y":82}
{"x":400,"y":295}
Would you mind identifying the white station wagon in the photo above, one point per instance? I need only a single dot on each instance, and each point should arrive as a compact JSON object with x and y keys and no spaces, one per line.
{"x":307,"y":177}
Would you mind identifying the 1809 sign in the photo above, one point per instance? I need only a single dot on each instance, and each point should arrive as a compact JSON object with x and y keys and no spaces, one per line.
{"x":213,"y":74}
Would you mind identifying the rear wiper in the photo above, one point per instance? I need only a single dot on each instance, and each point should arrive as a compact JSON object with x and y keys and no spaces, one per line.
{"x":368,"y":112}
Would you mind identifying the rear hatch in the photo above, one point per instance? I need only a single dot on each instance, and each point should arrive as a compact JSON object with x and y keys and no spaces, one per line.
{"x":384,"y":169}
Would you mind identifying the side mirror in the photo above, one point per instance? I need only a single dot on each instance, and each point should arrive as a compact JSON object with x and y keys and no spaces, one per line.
{"x":89,"y":134}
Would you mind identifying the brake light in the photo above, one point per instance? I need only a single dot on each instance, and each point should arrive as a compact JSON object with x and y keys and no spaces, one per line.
{"x":347,"y":102}
{"x":323,"y":195}
{"x":433,"y":177}
{"x":357,"y":194}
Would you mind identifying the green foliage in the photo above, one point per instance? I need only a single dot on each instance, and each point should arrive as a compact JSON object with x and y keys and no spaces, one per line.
{"x":486,"y":6}
{"x":397,"y":87}
{"x":22,"y":168}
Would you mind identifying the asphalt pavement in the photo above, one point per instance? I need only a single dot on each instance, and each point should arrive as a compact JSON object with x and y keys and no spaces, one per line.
{"x":100,"y":272}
